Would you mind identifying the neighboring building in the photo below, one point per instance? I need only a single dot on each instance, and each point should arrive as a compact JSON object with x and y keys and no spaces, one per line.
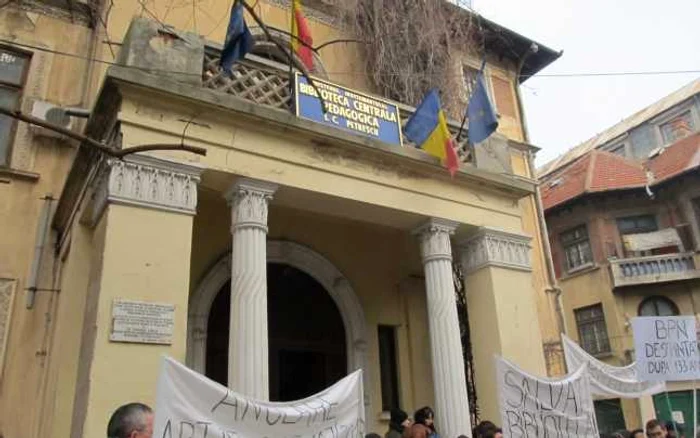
{"x":623,"y":215}
{"x":354,"y":237}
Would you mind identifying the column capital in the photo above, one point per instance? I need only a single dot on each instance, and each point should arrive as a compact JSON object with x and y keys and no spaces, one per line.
{"x":249,"y":200}
{"x":494,"y":247}
{"x":434,"y":237}
{"x":146,"y":181}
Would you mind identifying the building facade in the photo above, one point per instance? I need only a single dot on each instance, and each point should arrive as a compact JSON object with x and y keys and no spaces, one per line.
{"x":623,"y":215}
{"x":288,"y":255}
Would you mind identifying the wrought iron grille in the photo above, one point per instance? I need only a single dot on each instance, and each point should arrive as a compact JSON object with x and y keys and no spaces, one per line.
{"x":465,"y":335}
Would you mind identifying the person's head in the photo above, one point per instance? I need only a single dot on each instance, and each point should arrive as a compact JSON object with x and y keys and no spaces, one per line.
{"x":637,"y":433}
{"x":487,"y":429}
{"x":132,"y":420}
{"x":424,"y":416}
{"x":399,"y":419}
{"x":494,"y":433}
{"x":674,"y":430}
{"x":621,"y":434}
{"x":655,"y":429}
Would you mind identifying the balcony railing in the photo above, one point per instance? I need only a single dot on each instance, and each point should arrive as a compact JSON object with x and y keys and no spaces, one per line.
{"x":266,"y":83}
{"x":653,"y":269}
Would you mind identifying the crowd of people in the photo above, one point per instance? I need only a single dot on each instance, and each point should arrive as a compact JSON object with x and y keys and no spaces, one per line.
{"x":654,"y":429}
{"x":423,"y":426}
{"x":135,"y":420}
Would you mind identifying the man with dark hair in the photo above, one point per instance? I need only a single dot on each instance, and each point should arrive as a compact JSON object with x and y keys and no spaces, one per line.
{"x":132,"y":420}
{"x":656,"y":429}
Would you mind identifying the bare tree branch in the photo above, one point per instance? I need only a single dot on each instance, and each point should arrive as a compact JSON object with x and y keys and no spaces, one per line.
{"x":112,"y":152}
{"x":292,"y":60}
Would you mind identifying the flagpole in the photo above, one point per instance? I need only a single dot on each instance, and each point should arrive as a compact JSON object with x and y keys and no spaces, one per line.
{"x":695,"y":408}
{"x":670,"y":412}
{"x":291,"y":50}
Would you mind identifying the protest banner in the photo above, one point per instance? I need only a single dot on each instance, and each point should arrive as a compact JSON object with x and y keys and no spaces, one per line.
{"x":607,"y":380}
{"x":666,"y":348}
{"x":533,"y":407}
{"x":189,"y":405}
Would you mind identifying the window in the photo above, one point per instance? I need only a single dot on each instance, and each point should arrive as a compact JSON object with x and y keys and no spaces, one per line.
{"x":13,"y":72}
{"x":677,"y":128}
{"x":388,"y":367}
{"x":592,"y":331}
{"x":637,"y":224}
{"x":577,"y":248}
{"x":658,"y":306}
{"x":618,"y":150}
{"x":469,"y":75}
{"x":696,"y":210}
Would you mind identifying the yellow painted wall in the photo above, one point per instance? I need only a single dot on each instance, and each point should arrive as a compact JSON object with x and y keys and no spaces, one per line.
{"x":503,"y":321}
{"x":145,"y":257}
{"x":66,"y":343}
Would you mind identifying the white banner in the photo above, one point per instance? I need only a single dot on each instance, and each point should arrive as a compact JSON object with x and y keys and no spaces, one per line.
{"x":533,"y":407}
{"x":189,"y":405}
{"x":607,"y":380}
{"x":666,"y":348}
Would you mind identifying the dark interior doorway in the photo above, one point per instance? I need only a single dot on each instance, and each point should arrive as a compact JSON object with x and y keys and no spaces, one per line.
{"x":306,"y":335}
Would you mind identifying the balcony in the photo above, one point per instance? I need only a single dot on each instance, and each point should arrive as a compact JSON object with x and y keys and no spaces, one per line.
{"x":653,"y":269}
{"x":266,"y":82}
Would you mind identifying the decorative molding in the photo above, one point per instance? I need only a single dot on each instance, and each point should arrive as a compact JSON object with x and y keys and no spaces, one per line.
{"x":7,"y":293}
{"x":434,"y":237}
{"x":149,"y":182}
{"x":493,"y":247}
{"x":249,"y":200}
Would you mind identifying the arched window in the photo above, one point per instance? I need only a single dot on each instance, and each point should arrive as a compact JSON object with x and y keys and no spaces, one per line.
{"x":658,"y":306}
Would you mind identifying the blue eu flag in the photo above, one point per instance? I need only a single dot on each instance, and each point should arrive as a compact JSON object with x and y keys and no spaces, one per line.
{"x":239,"y":40}
{"x":482,"y":117}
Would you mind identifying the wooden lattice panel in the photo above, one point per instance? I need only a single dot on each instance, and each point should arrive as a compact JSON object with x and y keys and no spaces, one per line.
{"x":262,"y":86}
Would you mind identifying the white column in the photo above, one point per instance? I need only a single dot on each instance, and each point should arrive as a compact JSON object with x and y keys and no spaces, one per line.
{"x":248,"y":351}
{"x":451,"y":403}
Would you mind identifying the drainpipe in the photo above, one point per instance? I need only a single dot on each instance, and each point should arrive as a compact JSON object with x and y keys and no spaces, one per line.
{"x":552,"y":284}
{"x":42,"y":234}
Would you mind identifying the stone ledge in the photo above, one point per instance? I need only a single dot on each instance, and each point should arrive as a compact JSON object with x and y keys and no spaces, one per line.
{"x":8,"y":174}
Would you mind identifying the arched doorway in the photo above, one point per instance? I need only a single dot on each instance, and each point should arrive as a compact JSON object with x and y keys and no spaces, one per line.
{"x":306,"y":335}
{"x":304,"y":259}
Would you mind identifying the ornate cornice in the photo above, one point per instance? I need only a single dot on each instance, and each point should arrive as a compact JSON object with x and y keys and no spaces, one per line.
{"x":493,"y":247}
{"x":149,"y":182}
{"x":249,"y":200}
{"x":434,"y":237}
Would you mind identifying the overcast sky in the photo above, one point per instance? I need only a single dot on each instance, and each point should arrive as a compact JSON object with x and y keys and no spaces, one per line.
{"x":599,"y":36}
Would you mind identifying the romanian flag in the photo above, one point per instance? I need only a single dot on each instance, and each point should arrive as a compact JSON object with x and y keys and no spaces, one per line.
{"x":427,"y":128}
{"x":301,"y":33}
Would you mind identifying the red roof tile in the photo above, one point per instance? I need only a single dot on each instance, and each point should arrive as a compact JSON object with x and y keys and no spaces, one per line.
{"x":600,"y":171}
{"x":597,"y":171}
{"x":678,"y":158}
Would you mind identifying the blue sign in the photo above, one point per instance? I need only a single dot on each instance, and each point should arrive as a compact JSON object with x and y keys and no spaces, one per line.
{"x":348,"y":110}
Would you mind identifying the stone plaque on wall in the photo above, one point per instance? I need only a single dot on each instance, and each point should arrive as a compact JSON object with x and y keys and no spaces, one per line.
{"x":141,"y":322}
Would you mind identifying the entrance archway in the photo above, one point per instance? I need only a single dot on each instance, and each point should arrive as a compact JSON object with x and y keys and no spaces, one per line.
{"x":303,"y":259}
{"x":306,"y":335}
